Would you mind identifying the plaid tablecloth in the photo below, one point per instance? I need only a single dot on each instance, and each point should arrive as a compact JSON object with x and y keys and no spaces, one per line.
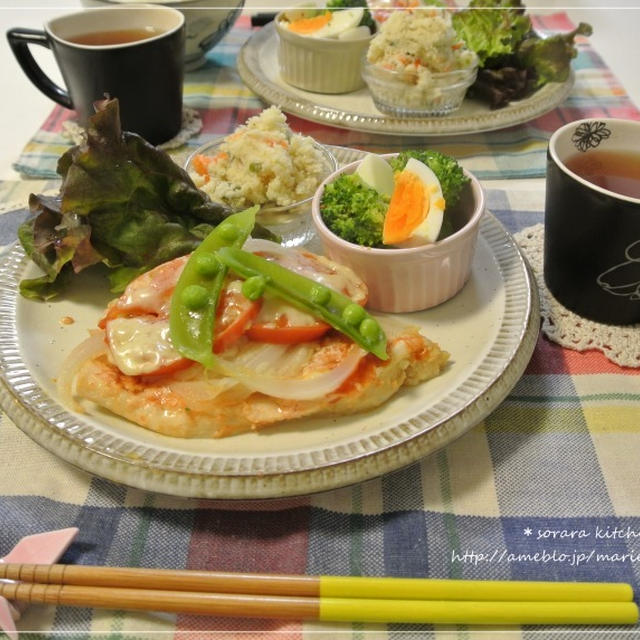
{"x":219,"y":94}
{"x":546,"y":487}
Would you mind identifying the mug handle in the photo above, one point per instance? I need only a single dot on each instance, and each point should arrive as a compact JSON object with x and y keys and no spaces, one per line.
{"x":19,"y":41}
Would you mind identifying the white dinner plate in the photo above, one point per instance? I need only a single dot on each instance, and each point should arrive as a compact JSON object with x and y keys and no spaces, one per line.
{"x":490,"y":329}
{"x":259,"y":69}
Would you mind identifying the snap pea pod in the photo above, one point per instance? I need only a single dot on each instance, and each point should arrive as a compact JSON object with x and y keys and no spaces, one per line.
{"x":323,"y":302}
{"x":195,"y":298}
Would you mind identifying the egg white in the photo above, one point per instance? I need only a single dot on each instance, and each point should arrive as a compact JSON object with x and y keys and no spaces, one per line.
{"x":376,"y":173}
{"x":340,"y":22}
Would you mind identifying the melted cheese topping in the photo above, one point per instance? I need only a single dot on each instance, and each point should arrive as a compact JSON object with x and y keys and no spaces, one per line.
{"x":273,"y":308}
{"x":140,"y":346}
{"x":316,"y":268}
{"x":152,"y":290}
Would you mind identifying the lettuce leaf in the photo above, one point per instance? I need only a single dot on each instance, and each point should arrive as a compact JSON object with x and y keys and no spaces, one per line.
{"x":514,"y":60}
{"x":493,"y":33}
{"x":122,"y":203}
{"x":550,"y":58}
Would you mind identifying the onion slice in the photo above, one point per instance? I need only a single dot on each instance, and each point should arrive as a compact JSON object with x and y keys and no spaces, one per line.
{"x":201,"y":395}
{"x":294,"y":388}
{"x":255,"y":245}
{"x":93,"y":346}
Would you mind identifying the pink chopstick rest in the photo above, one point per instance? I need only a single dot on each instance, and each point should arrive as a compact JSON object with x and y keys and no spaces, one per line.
{"x":39,"y":548}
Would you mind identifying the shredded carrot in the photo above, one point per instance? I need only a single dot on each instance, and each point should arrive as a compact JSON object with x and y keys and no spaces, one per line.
{"x":272,"y":143}
{"x":200,"y":164}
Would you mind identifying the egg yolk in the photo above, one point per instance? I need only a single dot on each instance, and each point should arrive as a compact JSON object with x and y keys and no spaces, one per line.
{"x":305,"y":26}
{"x":408,"y":207}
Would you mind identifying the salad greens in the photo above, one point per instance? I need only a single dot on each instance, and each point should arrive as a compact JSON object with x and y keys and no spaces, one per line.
{"x":514,"y":59}
{"x":122,"y":203}
{"x":310,"y":11}
{"x":367,"y":18}
{"x":494,"y":33}
{"x":355,"y":212}
{"x":449,"y":173}
{"x":549,"y":57}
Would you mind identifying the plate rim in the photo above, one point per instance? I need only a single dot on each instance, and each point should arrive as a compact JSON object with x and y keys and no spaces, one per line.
{"x":47,"y":428}
{"x":542,"y":101}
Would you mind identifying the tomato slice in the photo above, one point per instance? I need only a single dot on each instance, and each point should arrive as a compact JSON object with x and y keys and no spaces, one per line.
{"x":116,"y":311}
{"x":168,"y":369}
{"x":233,"y":316}
{"x":149,"y":294}
{"x":287,"y":334}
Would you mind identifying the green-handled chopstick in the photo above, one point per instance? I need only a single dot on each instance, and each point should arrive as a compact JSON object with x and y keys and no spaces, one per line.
{"x":319,"y":586}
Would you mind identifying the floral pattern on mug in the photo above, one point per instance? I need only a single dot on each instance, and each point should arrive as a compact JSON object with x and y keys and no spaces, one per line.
{"x":589,"y":135}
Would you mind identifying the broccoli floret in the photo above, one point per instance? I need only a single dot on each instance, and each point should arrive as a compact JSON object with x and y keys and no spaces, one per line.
{"x":367,"y":18}
{"x":447,"y":170}
{"x":354,"y":211}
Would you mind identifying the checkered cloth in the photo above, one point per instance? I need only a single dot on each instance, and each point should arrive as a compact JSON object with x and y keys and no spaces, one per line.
{"x":551,"y":476}
{"x":223,"y":101}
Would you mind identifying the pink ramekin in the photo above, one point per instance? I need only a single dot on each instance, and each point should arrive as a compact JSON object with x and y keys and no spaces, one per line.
{"x":416,"y":278}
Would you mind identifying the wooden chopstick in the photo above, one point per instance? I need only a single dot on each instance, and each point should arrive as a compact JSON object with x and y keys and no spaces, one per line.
{"x":318,"y":586}
{"x":326,"y":609}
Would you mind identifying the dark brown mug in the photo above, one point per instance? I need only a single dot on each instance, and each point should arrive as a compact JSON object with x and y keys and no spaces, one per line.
{"x":142,"y":65}
{"x":592,"y":232}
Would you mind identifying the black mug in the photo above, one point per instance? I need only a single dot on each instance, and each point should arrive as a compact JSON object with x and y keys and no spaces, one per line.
{"x":592,"y":233}
{"x":134,"y":54}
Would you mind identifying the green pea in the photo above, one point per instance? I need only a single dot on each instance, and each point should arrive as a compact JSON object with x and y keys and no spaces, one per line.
{"x":370,"y":330}
{"x":253,"y":287}
{"x":207,"y":265}
{"x":319,"y":294}
{"x":195,"y":297}
{"x":353,"y":314}
{"x":228,"y":231}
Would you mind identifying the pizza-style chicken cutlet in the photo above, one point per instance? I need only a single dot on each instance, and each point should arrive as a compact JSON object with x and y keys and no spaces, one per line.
{"x":274,"y":361}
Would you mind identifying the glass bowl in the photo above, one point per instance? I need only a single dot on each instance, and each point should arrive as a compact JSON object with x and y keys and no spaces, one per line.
{"x":291,"y":222}
{"x":402,"y":94}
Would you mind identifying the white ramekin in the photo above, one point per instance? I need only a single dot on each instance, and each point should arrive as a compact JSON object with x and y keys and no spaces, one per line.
{"x":322,"y":65}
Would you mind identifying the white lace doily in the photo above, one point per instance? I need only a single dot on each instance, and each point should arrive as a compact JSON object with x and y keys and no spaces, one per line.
{"x":619,"y":344}
{"x":191,"y":126}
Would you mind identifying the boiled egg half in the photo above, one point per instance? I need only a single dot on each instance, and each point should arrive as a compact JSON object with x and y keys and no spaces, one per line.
{"x":330,"y":24}
{"x":416,"y":208}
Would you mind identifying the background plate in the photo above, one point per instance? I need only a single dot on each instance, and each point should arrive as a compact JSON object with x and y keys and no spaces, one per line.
{"x":490,"y":328}
{"x":259,"y":69}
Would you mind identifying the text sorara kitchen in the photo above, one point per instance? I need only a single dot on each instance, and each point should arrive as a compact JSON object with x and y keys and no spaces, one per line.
{"x":597,"y":533}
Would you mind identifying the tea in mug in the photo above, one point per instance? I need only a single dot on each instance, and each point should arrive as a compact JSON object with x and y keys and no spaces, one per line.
{"x":118,"y":36}
{"x":617,"y":171}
